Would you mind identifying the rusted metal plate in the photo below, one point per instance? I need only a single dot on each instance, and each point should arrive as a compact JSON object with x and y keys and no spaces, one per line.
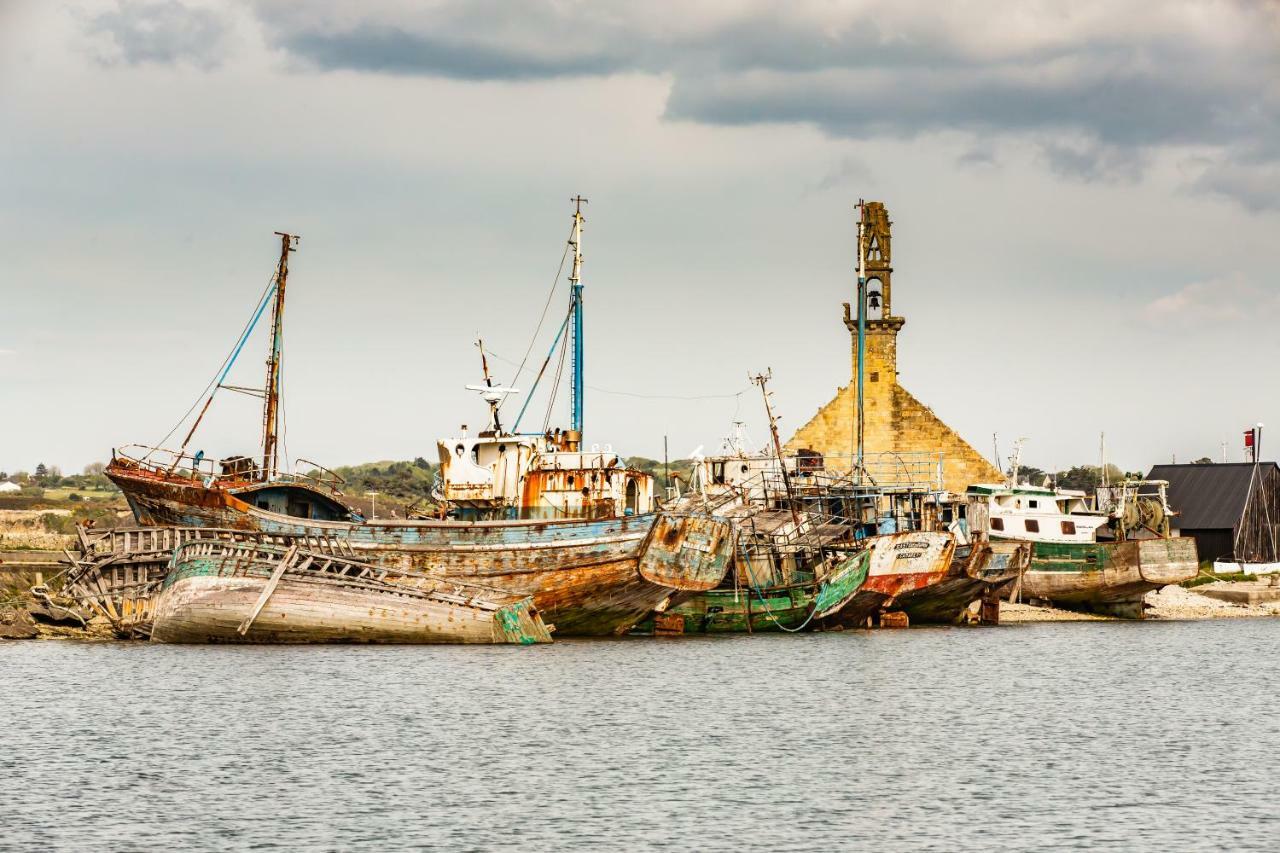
{"x":668,"y":624}
{"x":687,"y":551}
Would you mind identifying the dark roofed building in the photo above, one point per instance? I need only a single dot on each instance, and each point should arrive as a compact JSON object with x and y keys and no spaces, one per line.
{"x":1230,"y":509}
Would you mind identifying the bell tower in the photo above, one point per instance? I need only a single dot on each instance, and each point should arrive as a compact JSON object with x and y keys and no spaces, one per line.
{"x":896,"y":422}
{"x":882,"y":325}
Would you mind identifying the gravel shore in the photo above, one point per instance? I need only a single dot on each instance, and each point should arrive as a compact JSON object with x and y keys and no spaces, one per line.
{"x":1172,"y":602}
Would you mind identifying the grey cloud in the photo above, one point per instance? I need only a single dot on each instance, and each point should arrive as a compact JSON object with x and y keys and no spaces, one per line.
{"x":1255,"y":185}
{"x":162,"y":32}
{"x":849,"y":170}
{"x":1096,"y":86}
{"x":397,"y":51}
{"x":1092,"y":162}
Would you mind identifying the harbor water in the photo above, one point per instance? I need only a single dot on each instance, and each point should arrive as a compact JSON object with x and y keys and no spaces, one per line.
{"x":1050,"y":736}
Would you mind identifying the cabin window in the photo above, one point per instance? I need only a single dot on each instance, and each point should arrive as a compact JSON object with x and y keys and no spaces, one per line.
{"x":1069,"y":528}
{"x":1033,"y":504}
{"x":459,"y":449}
{"x":571,"y":481}
{"x":502,"y":448}
{"x":475,"y":454}
{"x":997,"y":524}
{"x":1033,"y":526}
{"x":875,"y":376}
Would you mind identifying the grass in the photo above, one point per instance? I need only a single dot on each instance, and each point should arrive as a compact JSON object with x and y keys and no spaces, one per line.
{"x":1209,"y":577}
{"x":85,"y":494}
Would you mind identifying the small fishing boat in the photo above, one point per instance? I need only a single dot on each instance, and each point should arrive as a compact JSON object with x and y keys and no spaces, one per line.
{"x":982,"y":572}
{"x":220,"y":591}
{"x":817,"y":548}
{"x":534,"y":514}
{"x":1095,"y":555}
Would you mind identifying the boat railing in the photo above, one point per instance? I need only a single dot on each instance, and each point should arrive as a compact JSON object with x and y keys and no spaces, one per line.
{"x":239,"y":555}
{"x":232,"y":471}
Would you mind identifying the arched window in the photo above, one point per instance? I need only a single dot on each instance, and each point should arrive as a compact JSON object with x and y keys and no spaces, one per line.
{"x":633,"y":496}
{"x":875,"y":299}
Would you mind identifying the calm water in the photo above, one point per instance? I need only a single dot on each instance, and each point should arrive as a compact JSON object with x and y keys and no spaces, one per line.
{"x":1155,"y":735}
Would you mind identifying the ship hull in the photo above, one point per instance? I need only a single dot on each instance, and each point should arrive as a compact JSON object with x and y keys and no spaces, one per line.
{"x":904,"y":567}
{"x":231,"y":599}
{"x":982,"y":572}
{"x":583,"y":574}
{"x":1107,"y":577}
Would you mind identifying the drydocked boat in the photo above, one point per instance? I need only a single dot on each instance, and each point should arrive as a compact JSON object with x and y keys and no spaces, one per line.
{"x":1096,"y":558}
{"x":982,"y":571}
{"x":818,"y":548}
{"x":531,"y":514}
{"x":117,"y":572}
{"x":220,"y":591}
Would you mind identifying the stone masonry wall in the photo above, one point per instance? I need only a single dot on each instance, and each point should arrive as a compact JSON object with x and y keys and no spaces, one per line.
{"x":896,"y":421}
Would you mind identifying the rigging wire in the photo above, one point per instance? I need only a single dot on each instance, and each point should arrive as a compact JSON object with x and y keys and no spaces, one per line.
{"x":555,"y":387}
{"x":736,"y":394}
{"x":546,"y":306}
{"x":266,"y":293}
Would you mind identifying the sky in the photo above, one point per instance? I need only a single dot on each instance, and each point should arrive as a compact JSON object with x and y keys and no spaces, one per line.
{"x":1085,"y":196}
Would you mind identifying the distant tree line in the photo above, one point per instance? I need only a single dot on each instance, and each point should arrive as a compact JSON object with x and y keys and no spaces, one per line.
{"x":51,"y":477}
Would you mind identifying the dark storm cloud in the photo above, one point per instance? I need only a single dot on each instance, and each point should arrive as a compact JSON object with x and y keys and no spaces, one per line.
{"x":1096,"y":86}
{"x":162,"y":32}
{"x":396,"y":51}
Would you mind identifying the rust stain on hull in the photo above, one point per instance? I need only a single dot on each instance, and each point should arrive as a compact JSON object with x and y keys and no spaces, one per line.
{"x":584,"y":574}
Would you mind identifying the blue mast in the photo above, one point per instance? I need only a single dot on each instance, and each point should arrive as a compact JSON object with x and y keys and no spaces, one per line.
{"x":862,"y":331}
{"x":577,"y":385}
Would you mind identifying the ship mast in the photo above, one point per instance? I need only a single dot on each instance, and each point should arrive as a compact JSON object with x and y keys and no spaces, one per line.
{"x":862,"y":335}
{"x":271,"y":409}
{"x":762,"y":379}
{"x":575,"y":279}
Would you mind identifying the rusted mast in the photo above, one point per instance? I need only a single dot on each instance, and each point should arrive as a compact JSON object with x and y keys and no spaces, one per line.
{"x":271,"y":409}
{"x":762,"y":379}
{"x":575,"y":280}
{"x":488,"y":382}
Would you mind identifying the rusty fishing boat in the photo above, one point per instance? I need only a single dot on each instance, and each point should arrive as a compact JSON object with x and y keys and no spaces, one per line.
{"x":220,"y":591}
{"x":529,"y":513}
{"x":817,"y":548}
{"x":1102,"y":558}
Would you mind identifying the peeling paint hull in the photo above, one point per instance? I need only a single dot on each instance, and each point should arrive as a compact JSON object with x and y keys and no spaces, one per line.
{"x":982,"y":571}
{"x":904,"y":567}
{"x":208,"y":599}
{"x":1109,"y":577}
{"x":583,"y":574}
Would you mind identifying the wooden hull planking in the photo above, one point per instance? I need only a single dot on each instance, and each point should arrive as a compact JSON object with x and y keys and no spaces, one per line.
{"x":583,"y":574}
{"x":902,"y":566}
{"x":249,"y":594}
{"x":985,"y":571}
{"x":1111,"y":577}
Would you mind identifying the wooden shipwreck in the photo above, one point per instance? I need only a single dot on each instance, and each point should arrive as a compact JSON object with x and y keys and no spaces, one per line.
{"x":535,"y":515}
{"x":222,"y":591}
{"x":1101,"y":554}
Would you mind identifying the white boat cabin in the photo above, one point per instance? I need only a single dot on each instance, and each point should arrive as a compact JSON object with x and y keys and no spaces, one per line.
{"x":1033,"y":514}
{"x":501,"y":475}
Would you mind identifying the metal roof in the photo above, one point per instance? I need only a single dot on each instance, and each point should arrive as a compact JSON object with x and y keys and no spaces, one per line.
{"x":1208,"y":497}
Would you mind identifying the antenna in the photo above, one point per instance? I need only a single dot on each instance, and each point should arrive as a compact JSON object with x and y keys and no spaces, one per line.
{"x":493,"y":395}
